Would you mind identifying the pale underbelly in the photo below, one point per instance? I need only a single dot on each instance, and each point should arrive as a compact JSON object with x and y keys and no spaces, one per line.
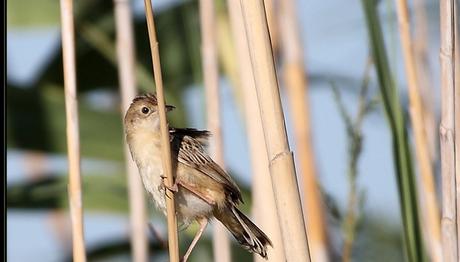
{"x":189,"y":207}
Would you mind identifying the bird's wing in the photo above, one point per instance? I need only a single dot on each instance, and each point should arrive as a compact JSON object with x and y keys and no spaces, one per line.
{"x":200,"y":135}
{"x":190,"y":151}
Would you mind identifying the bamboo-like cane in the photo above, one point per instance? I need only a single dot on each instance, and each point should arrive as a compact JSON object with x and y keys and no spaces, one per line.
{"x":457,"y":121}
{"x":264,"y":208}
{"x":296,"y":83}
{"x":447,"y":132}
{"x":281,"y":160}
{"x":73,"y":138}
{"x":173,"y":242}
{"x":457,"y":116}
{"x":127,"y":78}
{"x":428,"y":191}
{"x":221,"y":242}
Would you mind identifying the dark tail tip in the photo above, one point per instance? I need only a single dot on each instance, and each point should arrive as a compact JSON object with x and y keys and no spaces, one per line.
{"x":254,"y":239}
{"x":248,"y":235}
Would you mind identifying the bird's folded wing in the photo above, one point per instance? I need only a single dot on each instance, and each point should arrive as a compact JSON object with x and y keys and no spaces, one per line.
{"x":191,"y":153}
{"x":201,"y":135}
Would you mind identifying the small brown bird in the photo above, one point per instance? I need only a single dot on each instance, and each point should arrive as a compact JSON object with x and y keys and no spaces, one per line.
{"x":202,"y":189}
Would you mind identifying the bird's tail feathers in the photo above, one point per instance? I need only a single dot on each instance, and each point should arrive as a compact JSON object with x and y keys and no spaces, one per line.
{"x":245,"y":232}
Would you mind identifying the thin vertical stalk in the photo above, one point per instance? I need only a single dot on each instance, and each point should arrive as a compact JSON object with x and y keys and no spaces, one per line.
{"x":127,"y":77}
{"x":425,"y":81}
{"x":457,"y":115}
{"x":428,"y":191}
{"x":173,"y":243}
{"x":355,"y":141}
{"x":263,"y":200}
{"x":447,"y":131}
{"x":296,"y":83}
{"x":221,"y":242}
{"x":73,"y":137}
{"x":280,"y":157}
{"x":405,"y":177}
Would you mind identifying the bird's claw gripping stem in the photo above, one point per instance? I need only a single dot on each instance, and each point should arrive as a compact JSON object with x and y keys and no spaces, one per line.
{"x":174,"y":188}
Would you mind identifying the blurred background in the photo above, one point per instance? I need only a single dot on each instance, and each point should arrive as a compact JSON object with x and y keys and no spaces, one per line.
{"x":336,"y":54}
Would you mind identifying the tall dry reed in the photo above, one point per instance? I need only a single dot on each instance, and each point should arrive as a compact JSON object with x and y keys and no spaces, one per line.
{"x":449,"y":221}
{"x":127,"y":81}
{"x":173,"y":241}
{"x":280,"y":157}
{"x":427,"y":188}
{"x":72,"y":124}
{"x":221,"y":242}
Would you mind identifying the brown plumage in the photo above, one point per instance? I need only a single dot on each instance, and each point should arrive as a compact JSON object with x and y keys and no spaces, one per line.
{"x":204,"y":189}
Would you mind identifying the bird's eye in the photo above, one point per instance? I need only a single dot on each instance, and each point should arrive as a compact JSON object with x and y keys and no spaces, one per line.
{"x":145,"y":110}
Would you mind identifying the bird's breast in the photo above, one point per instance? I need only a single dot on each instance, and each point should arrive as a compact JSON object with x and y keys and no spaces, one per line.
{"x":151,"y":178}
{"x":146,"y":153}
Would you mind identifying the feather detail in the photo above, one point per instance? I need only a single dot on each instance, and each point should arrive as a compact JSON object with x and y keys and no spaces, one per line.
{"x":186,"y":143}
{"x":245,"y":232}
{"x":201,"y":135}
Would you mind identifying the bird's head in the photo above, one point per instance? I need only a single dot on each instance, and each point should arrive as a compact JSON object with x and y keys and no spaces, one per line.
{"x":143,"y":113}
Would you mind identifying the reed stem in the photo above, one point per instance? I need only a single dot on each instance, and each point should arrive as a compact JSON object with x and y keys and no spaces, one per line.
{"x":449,"y":222}
{"x":73,"y":137}
{"x":428,"y":191}
{"x":297,"y":87}
{"x":221,"y":242}
{"x":457,"y":115}
{"x":127,"y":78}
{"x":264,"y":207}
{"x":405,"y":177}
{"x":173,"y":243}
{"x":271,"y":8}
{"x":280,"y":157}
{"x":355,"y":141}
{"x":424,"y":76}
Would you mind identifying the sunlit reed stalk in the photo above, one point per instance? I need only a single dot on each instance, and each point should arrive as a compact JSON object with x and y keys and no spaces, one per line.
{"x":280,"y":157}
{"x":407,"y":187}
{"x":449,"y":222}
{"x":73,"y":138}
{"x":173,"y":243}
{"x":457,"y":116}
{"x":263,"y":200}
{"x":221,"y":242}
{"x":127,"y":81}
{"x":271,"y":7}
{"x":297,"y":87}
{"x":427,"y":189}
{"x":424,"y":76}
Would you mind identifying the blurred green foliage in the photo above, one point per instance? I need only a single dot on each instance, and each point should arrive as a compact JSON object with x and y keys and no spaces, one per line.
{"x":40,"y":107}
{"x":23,"y":13}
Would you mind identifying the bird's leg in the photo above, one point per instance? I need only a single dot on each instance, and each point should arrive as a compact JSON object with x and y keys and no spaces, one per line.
{"x":203,"y":223}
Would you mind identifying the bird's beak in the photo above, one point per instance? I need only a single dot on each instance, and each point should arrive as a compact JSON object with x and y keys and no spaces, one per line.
{"x":169,"y":108}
